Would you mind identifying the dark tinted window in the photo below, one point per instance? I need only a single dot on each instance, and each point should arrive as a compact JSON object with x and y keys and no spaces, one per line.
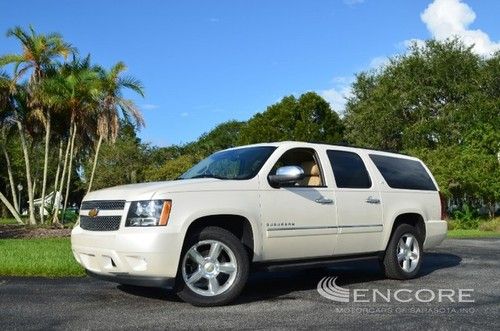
{"x":349,"y":170}
{"x":403,"y":173}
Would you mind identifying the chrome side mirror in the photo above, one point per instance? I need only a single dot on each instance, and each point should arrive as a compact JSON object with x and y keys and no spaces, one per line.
{"x":288,"y":175}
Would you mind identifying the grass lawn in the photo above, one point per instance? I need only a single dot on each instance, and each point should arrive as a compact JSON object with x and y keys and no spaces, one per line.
{"x":48,"y":257}
{"x":52,"y":257}
{"x":7,"y":221}
{"x":472,"y":234}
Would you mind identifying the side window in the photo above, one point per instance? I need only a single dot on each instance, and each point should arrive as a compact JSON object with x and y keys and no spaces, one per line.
{"x":307,"y":160}
{"x":349,"y":170}
{"x":403,"y":173}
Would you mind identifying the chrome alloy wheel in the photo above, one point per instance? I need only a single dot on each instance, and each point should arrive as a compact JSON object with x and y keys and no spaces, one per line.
{"x":408,"y":252}
{"x":209,"y":268}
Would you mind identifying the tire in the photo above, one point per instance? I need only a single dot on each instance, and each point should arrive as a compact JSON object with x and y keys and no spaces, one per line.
{"x":213,"y":268}
{"x":400,"y":260}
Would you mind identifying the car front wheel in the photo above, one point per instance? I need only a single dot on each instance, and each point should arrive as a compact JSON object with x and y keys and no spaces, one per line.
{"x":213,"y":269}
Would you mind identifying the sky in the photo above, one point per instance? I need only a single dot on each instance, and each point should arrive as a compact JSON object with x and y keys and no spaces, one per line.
{"x":208,"y":61}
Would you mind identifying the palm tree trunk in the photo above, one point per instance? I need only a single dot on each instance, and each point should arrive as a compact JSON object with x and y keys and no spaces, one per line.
{"x":72,"y":148}
{"x":24,"y":146}
{"x":11,"y":178}
{"x":34,"y":179}
{"x":95,"y":163}
{"x":55,"y":219}
{"x":11,"y":208}
{"x":45,"y":166}
{"x":58,"y":171}
{"x":9,"y":172}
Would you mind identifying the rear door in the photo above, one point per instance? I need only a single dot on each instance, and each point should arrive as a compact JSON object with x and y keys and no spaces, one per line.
{"x":359,"y":205}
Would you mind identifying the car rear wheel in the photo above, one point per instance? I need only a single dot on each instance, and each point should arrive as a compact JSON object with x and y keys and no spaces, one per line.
{"x":213,"y":269}
{"x":404,"y":253}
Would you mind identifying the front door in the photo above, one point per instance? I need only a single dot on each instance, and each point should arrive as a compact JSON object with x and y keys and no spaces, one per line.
{"x":299,"y":221}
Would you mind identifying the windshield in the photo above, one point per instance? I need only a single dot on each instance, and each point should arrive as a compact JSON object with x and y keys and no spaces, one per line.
{"x":241,"y":163}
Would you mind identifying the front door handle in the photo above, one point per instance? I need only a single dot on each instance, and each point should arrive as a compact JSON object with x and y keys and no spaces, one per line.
{"x":323,"y":200}
{"x":372,"y":200}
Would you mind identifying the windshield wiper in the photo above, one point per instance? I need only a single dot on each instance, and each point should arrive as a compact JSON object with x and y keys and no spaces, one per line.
{"x":206,"y":176}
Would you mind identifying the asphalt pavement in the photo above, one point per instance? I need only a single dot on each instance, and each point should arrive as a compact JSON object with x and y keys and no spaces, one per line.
{"x":283,"y":300}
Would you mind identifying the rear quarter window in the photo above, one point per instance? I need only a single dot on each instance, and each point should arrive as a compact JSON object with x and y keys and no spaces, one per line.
{"x":403,"y":173}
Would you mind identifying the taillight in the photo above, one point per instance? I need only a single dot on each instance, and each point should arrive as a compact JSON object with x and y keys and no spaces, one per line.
{"x":444,"y":210}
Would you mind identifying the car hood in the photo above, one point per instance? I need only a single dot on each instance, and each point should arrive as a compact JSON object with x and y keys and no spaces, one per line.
{"x":146,"y":191}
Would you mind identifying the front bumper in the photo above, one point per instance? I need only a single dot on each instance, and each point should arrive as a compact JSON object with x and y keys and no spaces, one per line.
{"x":136,"y":253}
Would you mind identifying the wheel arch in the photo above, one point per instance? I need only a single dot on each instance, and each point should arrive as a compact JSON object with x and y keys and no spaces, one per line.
{"x":237,"y":224}
{"x":412,"y":217}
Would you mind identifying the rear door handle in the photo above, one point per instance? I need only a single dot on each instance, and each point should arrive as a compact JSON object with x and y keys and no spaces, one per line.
{"x":323,"y":201}
{"x":372,"y":200}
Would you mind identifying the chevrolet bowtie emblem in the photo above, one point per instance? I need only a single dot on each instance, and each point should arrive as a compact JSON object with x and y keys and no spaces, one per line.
{"x":93,"y":212}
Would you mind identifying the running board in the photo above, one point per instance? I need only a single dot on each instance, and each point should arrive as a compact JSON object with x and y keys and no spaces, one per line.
{"x":313,"y":263}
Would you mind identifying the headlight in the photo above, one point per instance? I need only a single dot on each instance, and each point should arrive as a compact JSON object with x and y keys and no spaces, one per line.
{"x":148,"y":213}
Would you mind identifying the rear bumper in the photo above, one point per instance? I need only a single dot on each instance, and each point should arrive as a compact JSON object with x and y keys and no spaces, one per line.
{"x":435,"y":232}
{"x":163,"y":282}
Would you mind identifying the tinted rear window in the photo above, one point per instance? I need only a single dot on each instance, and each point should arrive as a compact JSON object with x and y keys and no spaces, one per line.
{"x":403,"y":173}
{"x":349,"y":170}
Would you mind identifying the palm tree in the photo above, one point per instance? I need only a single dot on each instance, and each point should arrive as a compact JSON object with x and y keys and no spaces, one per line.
{"x":75,"y":89}
{"x":10,"y":99}
{"x":14,"y":111}
{"x":5,"y":105}
{"x":112,"y":105}
{"x":20,"y":116}
{"x":39,"y":53}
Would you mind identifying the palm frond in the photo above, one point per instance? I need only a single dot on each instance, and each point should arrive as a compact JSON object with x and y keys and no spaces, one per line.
{"x":26,"y":40}
{"x":20,"y":72}
{"x":132,"y":84}
{"x":4,"y":79}
{"x":10,"y":59}
{"x":85,"y":62}
{"x":117,"y":69}
{"x":19,"y":33}
{"x":130,"y":109}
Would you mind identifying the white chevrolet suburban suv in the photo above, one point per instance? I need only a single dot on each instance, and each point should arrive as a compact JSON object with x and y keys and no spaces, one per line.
{"x":267,"y":205}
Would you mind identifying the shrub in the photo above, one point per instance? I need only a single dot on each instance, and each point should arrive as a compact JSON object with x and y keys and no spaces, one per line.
{"x":69,"y":216}
{"x":491,"y":225}
{"x":452,"y":224}
{"x":465,"y":219}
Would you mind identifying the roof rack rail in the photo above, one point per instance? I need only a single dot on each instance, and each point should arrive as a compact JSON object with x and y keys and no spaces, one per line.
{"x":345,"y":144}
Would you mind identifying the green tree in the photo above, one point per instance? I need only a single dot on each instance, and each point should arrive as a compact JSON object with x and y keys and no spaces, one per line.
{"x":172,"y":168}
{"x":423,"y":98}
{"x":308,"y":118}
{"x":223,"y":136}
{"x":173,"y":161}
{"x":440,"y":102}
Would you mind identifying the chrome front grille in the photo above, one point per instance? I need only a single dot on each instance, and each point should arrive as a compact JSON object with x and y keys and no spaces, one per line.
{"x":100,"y":223}
{"x":103,"y":205}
